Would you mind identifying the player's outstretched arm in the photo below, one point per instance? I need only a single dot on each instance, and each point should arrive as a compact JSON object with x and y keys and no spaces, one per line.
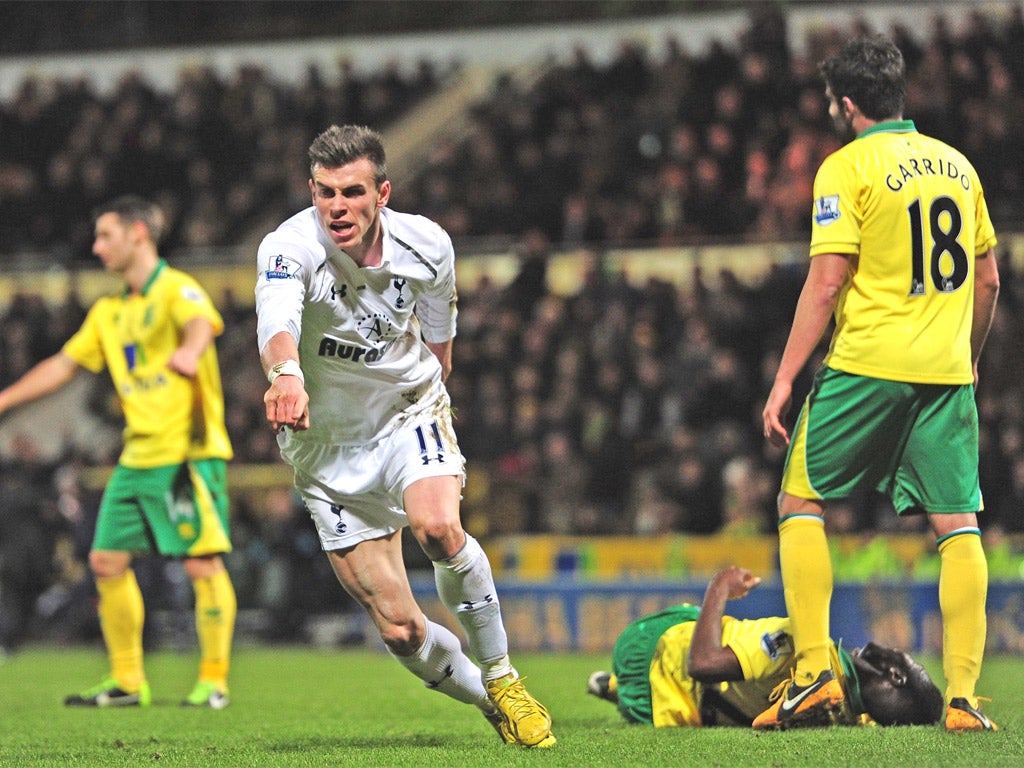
{"x":196,"y":336}
{"x":287,"y":403}
{"x":709,"y":661}
{"x":818,"y":298}
{"x":986,"y":292}
{"x":45,"y":377}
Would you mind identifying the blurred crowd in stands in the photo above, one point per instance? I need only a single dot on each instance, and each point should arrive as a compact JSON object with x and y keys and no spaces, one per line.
{"x":621,"y":408}
{"x":665,"y":145}
{"x":215,"y":153}
{"x":636,"y":409}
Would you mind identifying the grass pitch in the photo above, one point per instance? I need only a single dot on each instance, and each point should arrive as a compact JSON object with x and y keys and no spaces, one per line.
{"x":304,"y":707}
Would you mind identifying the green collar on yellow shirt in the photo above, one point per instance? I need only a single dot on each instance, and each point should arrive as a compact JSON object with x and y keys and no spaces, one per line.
{"x":160,"y":264}
{"x":889,"y":126}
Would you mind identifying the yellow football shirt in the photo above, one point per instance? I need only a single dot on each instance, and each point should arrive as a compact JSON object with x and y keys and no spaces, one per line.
{"x":168,"y":418}
{"x":910,"y":212}
{"x":764,"y":648}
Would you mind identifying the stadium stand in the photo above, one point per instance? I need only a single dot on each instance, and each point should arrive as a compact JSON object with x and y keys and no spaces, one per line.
{"x":599,"y":404}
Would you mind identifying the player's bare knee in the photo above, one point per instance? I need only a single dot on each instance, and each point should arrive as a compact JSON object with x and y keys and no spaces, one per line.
{"x":203,"y":567}
{"x":440,"y":539}
{"x":106,"y":564}
{"x":402,"y":639}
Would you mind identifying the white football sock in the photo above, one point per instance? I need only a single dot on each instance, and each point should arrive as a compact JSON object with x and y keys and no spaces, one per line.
{"x":466,"y":587}
{"x":442,"y":666}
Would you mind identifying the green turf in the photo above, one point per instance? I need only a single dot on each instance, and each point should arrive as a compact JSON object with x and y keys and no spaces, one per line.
{"x":301,"y":707}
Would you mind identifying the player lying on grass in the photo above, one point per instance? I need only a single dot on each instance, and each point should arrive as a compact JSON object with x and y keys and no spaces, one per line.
{"x":695,"y":666}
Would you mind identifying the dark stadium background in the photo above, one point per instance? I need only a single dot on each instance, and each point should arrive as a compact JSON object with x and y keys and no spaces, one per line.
{"x":667,"y":337}
{"x":47,"y":26}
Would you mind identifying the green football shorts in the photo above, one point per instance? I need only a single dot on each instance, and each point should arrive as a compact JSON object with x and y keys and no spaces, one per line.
{"x":916,"y":443}
{"x":632,"y":655}
{"x":180,"y":510}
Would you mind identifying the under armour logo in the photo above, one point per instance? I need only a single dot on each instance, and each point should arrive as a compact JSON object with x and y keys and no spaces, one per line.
{"x":472,"y":605}
{"x":426,"y":454}
{"x":448,"y":672}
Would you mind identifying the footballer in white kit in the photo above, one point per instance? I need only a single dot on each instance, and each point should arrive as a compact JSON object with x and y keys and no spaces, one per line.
{"x":356,"y":319}
{"x":359,"y":340}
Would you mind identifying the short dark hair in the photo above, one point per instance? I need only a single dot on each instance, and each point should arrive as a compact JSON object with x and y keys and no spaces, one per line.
{"x":342,"y":144}
{"x":871,"y":73}
{"x":917,"y":702}
{"x":132,"y":208}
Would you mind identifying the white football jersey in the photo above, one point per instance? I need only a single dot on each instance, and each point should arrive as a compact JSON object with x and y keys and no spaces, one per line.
{"x":359,"y":328}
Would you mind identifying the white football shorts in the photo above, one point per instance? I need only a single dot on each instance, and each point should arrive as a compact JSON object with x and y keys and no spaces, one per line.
{"x":354,"y":492}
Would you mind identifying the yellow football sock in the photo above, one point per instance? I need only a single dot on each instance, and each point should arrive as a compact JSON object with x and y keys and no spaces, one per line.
{"x":216,"y":608}
{"x":121,"y":616}
{"x":963,"y":587}
{"x":807,"y":584}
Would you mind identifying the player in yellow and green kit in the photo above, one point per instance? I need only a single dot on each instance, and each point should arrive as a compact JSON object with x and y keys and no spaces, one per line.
{"x":696,"y":668}
{"x":902,"y":258}
{"x":168,"y":493}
